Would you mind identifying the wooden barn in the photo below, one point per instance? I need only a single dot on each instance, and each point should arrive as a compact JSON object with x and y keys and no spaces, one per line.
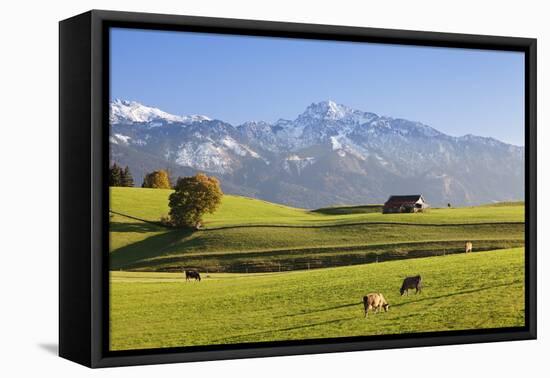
{"x":405,"y":204}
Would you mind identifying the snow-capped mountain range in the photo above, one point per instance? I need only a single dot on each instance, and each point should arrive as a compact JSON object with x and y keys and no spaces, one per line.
{"x":329,"y":154}
{"x":133,"y":112}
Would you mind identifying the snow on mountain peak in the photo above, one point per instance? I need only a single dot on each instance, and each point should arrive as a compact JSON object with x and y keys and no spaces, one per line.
{"x":332,"y":111}
{"x":124,"y":111}
{"x":328,"y":110}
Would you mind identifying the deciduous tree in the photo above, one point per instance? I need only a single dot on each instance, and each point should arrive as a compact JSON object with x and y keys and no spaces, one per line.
{"x":156,"y":179}
{"x":193,"y":197}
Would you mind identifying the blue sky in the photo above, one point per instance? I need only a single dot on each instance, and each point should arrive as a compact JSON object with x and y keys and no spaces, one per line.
{"x":240,"y":78}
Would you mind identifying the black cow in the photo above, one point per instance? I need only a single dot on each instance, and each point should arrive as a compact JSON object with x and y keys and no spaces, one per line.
{"x":192,"y":274}
{"x":411,"y":283}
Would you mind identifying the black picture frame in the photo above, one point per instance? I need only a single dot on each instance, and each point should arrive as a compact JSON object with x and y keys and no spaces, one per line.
{"x":83,"y":195}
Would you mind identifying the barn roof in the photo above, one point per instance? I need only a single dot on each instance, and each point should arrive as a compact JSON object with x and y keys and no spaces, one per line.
{"x":403,"y":200}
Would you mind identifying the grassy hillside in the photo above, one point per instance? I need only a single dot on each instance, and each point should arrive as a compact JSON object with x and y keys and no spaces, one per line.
{"x":339,"y":210}
{"x":252,"y":235}
{"x":151,"y":204}
{"x":226,"y":249}
{"x":154,"y":310}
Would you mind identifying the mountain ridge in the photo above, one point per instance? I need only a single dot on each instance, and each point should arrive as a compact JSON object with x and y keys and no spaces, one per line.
{"x":328,"y":154}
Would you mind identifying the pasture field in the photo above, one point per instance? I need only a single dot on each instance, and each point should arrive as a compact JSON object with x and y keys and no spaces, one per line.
{"x":461,"y":291}
{"x":151,"y":204}
{"x":246,"y":234}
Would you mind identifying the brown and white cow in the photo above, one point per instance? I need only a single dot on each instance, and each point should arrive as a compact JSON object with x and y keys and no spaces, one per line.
{"x":374,"y":301}
{"x":468,"y":247}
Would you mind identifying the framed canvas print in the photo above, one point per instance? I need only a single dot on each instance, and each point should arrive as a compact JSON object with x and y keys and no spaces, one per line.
{"x":234,"y":188}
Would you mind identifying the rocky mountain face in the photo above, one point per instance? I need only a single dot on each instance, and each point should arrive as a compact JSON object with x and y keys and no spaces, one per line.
{"x":330,"y":154}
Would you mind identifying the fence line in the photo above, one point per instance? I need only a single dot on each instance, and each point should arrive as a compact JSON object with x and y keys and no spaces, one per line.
{"x":359,"y":224}
{"x":287,"y":265}
{"x":267,"y":225}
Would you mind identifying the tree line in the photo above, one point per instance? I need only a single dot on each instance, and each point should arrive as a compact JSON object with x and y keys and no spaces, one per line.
{"x":119,"y":176}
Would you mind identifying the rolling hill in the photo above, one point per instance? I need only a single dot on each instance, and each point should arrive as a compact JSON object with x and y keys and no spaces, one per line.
{"x":248,"y":235}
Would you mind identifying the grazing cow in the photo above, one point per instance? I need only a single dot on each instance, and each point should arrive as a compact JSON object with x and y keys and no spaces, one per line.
{"x":468,"y":246}
{"x":192,"y":274}
{"x":411,"y":283}
{"x":374,"y":301}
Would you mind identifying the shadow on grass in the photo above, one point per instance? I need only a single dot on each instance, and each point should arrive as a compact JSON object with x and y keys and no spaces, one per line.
{"x":363,"y":224}
{"x":310,"y":325}
{"x":322,"y":310}
{"x":134,"y":227}
{"x":420,"y":299}
{"x":471,"y":291}
{"x":154,"y":246}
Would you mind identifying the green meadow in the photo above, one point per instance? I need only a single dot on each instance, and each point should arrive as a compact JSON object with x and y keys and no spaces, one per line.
{"x":151,"y":204}
{"x":473,"y":291}
{"x":246,"y":235}
{"x":273,"y":272}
